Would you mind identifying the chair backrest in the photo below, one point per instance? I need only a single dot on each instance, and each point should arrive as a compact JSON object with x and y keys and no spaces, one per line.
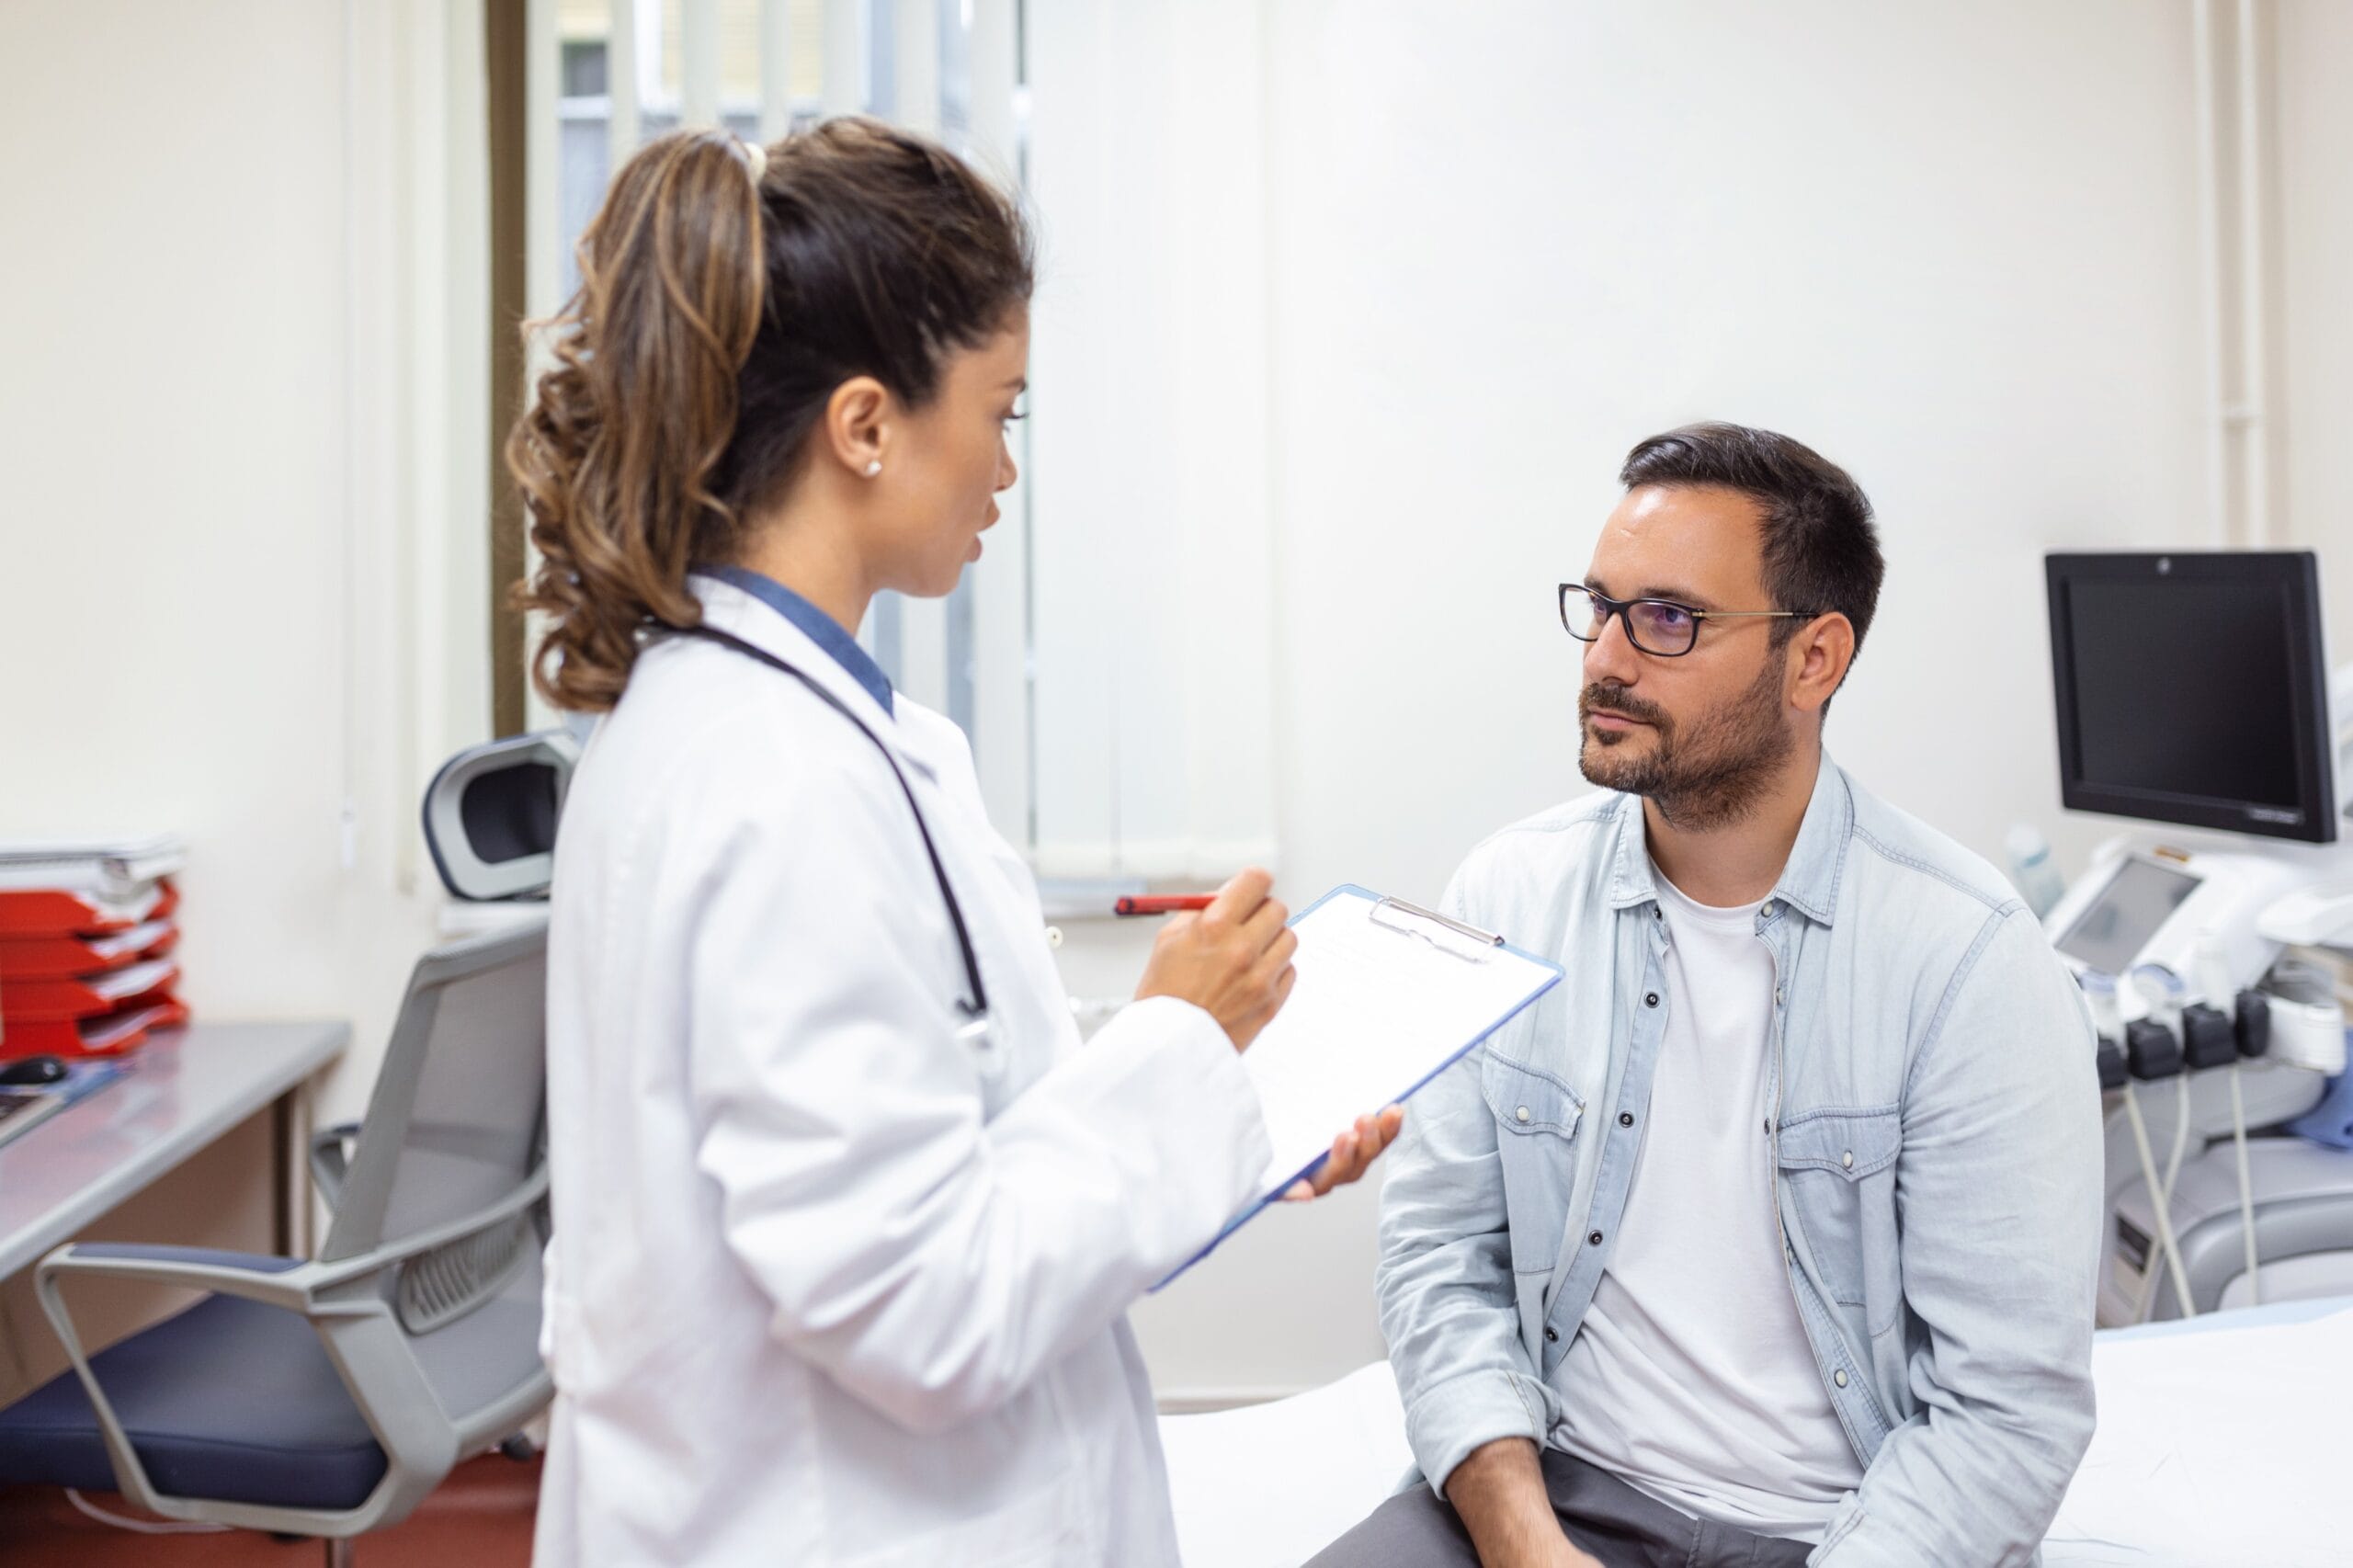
{"x":455,"y":1127}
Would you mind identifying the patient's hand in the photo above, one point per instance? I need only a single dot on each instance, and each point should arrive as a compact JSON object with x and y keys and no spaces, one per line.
{"x":1353,"y":1153}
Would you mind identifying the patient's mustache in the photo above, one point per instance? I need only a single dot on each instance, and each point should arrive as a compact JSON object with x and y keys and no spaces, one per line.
{"x":1617,"y":700}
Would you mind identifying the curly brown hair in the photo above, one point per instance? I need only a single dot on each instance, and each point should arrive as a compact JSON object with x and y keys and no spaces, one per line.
{"x":716,"y":315}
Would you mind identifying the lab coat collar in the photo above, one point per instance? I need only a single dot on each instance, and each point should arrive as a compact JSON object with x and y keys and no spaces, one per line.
{"x":823,"y":629}
{"x":726,"y":608}
{"x":1808,"y":880}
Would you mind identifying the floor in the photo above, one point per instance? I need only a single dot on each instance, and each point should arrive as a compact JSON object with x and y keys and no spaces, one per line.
{"x":480,"y":1517}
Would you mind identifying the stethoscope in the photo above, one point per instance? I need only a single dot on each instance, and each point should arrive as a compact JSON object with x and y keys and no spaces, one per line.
{"x":974,"y":1031}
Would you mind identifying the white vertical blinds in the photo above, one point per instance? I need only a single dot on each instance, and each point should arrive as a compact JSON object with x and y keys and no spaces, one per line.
{"x":1108,"y":654}
{"x":1151,"y":566}
{"x":914,"y":56}
{"x":1002,"y":718}
{"x":846,"y":76}
{"x":775,"y":69}
{"x":991,"y":41}
{"x":698,"y":64}
{"x":620,"y":80}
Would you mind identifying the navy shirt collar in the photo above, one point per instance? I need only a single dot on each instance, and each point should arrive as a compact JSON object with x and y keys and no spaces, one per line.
{"x":820,"y":628}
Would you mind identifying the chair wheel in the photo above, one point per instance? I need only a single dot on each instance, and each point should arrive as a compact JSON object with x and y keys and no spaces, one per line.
{"x":520,"y":1449}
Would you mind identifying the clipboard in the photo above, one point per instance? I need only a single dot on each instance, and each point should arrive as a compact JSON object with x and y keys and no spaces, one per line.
{"x":1389,"y":995}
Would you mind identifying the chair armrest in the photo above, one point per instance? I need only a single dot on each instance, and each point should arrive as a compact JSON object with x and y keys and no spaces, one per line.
{"x":258,"y":1277}
{"x":522,"y":1201}
{"x":331,"y":1159}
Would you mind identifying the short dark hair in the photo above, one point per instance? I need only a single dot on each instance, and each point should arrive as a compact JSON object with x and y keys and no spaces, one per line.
{"x":1821,"y":548}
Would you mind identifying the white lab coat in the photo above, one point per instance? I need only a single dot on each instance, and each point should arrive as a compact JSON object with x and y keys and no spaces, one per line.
{"x":824,"y":1289}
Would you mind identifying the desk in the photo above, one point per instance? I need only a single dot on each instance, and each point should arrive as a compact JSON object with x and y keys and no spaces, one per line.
{"x":182,"y":1090}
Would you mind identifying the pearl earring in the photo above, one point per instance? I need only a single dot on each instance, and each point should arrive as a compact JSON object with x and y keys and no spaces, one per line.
{"x":874,"y":468}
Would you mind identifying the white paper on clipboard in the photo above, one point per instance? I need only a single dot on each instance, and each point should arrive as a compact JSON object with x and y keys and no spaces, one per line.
{"x":1388,"y":996}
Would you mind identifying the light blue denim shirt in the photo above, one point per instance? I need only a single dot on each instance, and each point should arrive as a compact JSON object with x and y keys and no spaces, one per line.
{"x":1937,"y":1167}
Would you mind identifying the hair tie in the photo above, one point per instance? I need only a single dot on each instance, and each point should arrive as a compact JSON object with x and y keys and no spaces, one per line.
{"x":759,"y":156}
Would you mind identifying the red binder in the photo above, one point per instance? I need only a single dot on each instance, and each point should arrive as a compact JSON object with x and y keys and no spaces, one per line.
{"x":49,"y":912}
{"x":71,"y":957}
{"x":43,"y":1001}
{"x":111,"y":1034}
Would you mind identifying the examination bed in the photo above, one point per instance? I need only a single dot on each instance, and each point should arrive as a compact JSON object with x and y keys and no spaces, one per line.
{"x":2220,"y":1442}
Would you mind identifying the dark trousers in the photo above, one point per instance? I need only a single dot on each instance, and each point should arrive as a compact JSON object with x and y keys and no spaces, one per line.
{"x":1617,"y":1525}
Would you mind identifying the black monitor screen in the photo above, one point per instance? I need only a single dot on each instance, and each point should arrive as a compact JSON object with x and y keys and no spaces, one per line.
{"x":2191,"y":688}
{"x":2182,"y":688}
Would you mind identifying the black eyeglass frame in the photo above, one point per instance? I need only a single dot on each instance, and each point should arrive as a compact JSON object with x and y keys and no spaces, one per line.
{"x":1608,"y":606}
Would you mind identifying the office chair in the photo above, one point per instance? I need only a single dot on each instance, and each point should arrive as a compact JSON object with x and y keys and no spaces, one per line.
{"x":328,"y":1397}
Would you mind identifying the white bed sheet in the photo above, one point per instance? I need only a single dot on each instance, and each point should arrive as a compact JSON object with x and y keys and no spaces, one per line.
{"x":2220,"y":1442}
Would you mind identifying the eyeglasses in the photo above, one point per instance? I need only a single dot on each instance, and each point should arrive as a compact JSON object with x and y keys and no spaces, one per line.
{"x":1655,"y":626}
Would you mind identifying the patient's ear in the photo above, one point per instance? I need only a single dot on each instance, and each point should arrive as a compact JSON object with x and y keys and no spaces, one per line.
{"x":1819,"y":656}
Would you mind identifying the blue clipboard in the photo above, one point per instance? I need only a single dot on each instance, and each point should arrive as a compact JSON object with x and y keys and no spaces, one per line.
{"x":1410,"y":1011}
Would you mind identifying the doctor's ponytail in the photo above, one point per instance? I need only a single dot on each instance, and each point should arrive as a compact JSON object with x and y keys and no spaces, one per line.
{"x":725,"y":293}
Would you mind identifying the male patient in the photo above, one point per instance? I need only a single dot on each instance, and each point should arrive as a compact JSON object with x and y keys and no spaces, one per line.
{"x":1768,"y":1237}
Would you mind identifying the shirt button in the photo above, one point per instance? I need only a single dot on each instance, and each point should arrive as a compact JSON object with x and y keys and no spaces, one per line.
{"x":1838,"y":1377}
{"x":1650,"y":999}
{"x":1767,"y":911}
{"x":1522,"y":1114}
{"x":1594,"y":1240}
{"x":1625,"y":1119}
{"x":1847,"y":1159}
{"x":1552,"y":1335}
{"x":1776,"y":995}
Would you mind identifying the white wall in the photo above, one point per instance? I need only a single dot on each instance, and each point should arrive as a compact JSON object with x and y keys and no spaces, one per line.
{"x":2311,"y":54}
{"x":1951,"y":246}
{"x":225,"y":607}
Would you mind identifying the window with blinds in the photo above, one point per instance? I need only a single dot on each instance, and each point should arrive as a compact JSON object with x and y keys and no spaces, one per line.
{"x":606,"y":75}
{"x":1111,"y":654}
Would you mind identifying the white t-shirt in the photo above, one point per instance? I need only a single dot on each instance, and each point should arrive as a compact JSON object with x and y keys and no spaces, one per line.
{"x":1691,"y":1378}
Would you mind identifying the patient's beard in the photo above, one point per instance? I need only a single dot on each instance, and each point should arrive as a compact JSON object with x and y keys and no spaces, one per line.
{"x":1712,"y":776}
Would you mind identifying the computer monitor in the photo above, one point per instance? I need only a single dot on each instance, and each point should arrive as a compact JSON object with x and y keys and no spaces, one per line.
{"x":2192,"y":688}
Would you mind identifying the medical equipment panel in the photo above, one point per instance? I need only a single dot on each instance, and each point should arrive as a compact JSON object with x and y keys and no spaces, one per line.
{"x":2138,"y":898}
{"x":2194,"y":913}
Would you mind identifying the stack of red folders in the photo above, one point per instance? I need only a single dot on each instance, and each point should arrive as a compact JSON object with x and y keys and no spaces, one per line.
{"x":86,"y":937}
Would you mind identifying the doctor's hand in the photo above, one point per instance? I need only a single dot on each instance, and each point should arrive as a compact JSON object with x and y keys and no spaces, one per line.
{"x":1232,"y":961}
{"x":1353,"y":1153}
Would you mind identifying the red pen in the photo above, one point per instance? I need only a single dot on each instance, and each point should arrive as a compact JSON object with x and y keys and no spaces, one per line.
{"x":1170,"y":905}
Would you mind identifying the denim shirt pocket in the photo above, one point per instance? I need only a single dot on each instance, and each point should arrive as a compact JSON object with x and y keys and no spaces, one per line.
{"x":1536,"y":1124}
{"x":1839,"y":1168}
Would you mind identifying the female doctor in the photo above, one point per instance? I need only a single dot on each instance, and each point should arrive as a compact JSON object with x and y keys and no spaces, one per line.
{"x":847,"y":1217}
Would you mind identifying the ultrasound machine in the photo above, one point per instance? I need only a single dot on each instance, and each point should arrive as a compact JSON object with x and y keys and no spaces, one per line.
{"x":2193,"y":691}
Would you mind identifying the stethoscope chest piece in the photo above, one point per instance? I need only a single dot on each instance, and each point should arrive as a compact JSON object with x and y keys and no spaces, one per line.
{"x":977,"y":1033}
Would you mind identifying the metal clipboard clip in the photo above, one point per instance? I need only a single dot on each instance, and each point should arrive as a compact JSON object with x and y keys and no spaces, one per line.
{"x":1486,"y":940}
